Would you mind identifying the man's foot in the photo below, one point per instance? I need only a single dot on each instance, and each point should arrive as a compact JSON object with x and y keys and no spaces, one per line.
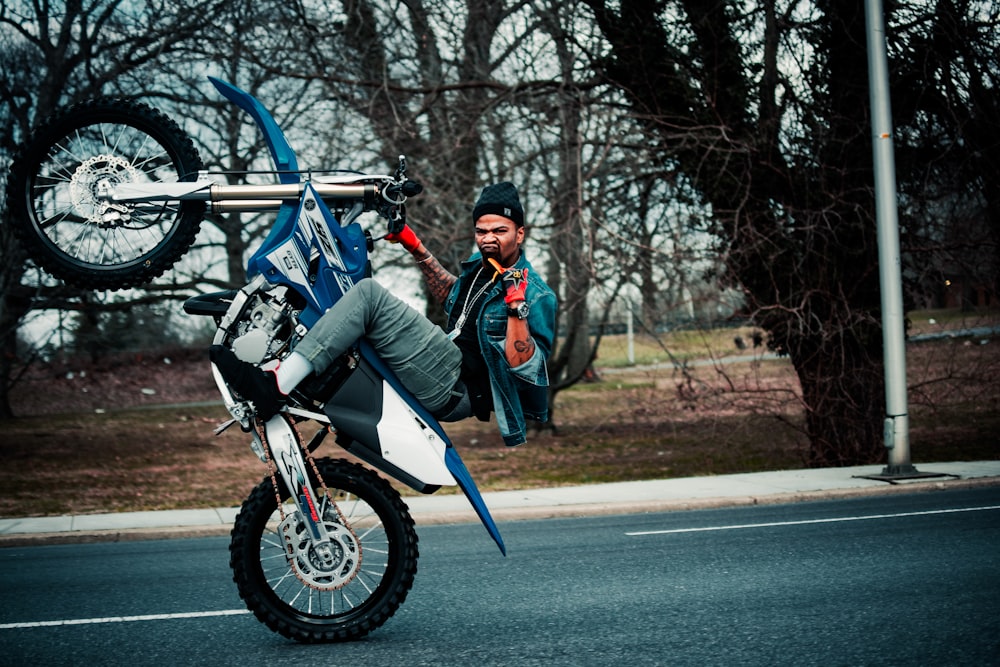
{"x":250,"y":382}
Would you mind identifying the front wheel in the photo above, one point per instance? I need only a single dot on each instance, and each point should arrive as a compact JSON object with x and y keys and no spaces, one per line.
{"x":312,"y":597}
{"x":60,"y":194}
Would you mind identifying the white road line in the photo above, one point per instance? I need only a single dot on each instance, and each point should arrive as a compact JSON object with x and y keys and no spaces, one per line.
{"x":810,"y":521}
{"x":123,"y":619}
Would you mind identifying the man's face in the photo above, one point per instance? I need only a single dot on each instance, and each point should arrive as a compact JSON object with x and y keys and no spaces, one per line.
{"x":499,"y":238}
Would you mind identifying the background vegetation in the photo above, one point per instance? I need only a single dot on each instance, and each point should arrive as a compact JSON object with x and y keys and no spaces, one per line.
{"x":682,"y":162}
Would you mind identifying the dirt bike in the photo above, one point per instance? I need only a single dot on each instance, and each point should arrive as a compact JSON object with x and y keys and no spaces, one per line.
{"x":108,"y":195}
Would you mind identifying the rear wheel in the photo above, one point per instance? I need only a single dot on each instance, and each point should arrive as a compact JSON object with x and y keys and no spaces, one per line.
{"x":60,"y":186}
{"x":313,"y":597}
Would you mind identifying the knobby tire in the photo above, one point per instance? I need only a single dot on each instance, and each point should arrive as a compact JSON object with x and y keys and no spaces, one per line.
{"x":267,"y":580}
{"x":58,"y":185}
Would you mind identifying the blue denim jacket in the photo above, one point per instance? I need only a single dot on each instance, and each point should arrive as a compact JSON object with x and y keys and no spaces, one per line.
{"x":518,"y":392}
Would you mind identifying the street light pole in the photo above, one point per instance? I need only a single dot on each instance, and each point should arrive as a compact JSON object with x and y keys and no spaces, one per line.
{"x":896,"y":426}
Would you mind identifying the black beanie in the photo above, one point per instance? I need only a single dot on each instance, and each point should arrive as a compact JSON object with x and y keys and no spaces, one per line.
{"x":500,"y":199}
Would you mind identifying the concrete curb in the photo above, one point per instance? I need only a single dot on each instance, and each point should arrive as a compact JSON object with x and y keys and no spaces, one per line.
{"x":532,"y":504}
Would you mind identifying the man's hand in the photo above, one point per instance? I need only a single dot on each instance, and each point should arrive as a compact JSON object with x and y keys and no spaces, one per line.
{"x":516,"y":281}
{"x":519,"y":345}
{"x":404,"y":237}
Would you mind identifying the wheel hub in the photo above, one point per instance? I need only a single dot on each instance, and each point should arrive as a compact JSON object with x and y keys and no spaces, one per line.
{"x":326,"y":566}
{"x":93,"y":185}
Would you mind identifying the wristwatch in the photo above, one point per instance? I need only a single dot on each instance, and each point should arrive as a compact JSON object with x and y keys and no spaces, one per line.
{"x":520,"y":311}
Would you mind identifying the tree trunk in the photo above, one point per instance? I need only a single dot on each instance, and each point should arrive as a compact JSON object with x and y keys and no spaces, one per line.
{"x":14,"y":305}
{"x":843,"y":396}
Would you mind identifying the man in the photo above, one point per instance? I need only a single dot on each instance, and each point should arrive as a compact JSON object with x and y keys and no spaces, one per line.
{"x":501,"y":324}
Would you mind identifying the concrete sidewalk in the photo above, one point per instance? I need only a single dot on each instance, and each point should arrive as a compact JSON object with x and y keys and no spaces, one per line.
{"x":617,"y":498}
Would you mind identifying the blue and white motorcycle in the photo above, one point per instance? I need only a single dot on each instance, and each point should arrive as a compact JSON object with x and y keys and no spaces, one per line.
{"x":108,"y":195}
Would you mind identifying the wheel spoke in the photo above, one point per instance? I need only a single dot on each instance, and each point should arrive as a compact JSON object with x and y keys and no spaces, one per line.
{"x":62,"y":189}
{"x":321,"y":594}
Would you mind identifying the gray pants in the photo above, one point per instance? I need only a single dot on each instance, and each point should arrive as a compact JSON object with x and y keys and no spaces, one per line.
{"x":417,"y":350}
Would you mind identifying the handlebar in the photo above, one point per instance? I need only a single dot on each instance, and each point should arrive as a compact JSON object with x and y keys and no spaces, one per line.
{"x":385,"y":194}
{"x":394,"y":210}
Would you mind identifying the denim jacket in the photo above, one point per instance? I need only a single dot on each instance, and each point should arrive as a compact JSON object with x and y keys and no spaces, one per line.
{"x":518,"y":392}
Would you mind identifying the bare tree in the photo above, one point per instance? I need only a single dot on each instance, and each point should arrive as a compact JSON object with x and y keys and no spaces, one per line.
{"x":487,"y":93}
{"x":62,"y":53}
{"x":946,"y":101}
{"x":391,"y":66}
{"x":780,"y":150}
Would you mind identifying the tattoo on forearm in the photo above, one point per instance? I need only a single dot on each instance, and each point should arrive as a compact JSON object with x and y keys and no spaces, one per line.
{"x":439,"y":280}
{"x":524,"y":346}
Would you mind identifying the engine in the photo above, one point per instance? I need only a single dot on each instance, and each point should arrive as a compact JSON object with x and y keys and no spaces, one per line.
{"x":268,"y":327}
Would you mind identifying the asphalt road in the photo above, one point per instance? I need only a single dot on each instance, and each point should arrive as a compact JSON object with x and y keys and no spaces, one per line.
{"x":889,"y":580}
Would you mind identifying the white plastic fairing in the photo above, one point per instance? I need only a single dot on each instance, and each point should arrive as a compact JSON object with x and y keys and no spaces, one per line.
{"x":409,"y":444}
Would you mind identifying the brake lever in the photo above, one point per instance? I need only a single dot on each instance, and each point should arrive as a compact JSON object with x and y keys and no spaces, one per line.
{"x":397,"y":218}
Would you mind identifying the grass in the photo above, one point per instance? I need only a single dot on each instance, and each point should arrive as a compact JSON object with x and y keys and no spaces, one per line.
{"x":638,"y":422}
{"x":681,"y":345}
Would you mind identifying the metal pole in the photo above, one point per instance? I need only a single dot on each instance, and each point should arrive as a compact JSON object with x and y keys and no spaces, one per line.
{"x":630,"y":335}
{"x":896,"y":427}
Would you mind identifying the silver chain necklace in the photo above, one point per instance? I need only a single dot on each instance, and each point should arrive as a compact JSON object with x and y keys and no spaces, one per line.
{"x":470,"y":302}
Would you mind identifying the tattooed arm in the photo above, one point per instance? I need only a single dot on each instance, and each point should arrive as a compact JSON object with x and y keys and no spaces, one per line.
{"x":519,"y":345}
{"x":439,"y":280}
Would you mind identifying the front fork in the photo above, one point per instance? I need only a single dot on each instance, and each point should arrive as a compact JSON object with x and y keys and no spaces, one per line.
{"x":281,"y":443}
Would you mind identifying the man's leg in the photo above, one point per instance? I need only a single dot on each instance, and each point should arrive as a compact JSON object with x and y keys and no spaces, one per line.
{"x":419,"y":352}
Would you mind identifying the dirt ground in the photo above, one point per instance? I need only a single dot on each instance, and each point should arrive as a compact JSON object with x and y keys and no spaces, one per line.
{"x":139,"y":380}
{"x":137,"y":434}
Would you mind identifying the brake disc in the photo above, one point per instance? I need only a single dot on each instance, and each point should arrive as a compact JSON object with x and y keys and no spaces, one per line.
{"x":93,"y":185}
{"x":324,"y":567}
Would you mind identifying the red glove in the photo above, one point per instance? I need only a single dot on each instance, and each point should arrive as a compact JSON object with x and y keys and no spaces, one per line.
{"x":516,"y":281}
{"x":406,"y":237}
